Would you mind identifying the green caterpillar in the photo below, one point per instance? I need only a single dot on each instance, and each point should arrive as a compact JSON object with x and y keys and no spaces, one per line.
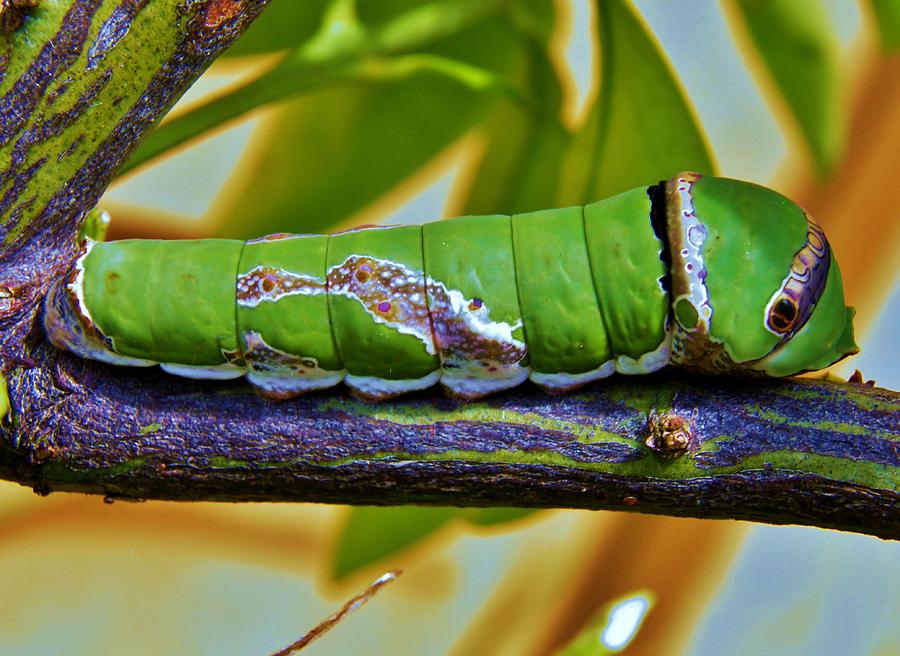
{"x":709,"y":274}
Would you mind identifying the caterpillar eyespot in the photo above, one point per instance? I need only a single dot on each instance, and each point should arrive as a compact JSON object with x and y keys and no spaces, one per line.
{"x":630,"y":284}
{"x":783,"y":315}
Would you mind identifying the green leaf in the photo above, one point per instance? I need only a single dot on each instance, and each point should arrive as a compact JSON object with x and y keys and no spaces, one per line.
{"x":887,"y":20}
{"x":336,"y":151}
{"x":96,"y":225}
{"x":5,"y":405}
{"x":282,"y":26}
{"x":614,"y":627}
{"x":287,"y":23}
{"x":799,"y":51}
{"x":466,"y":75}
{"x":372,"y":534}
{"x":495,"y":516}
{"x":519,"y":168}
{"x":341,"y":51}
{"x":641,"y":128}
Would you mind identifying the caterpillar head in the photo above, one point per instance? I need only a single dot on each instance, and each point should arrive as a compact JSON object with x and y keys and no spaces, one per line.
{"x":755,"y":287}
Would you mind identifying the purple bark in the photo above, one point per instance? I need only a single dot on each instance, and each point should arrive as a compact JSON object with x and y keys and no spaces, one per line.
{"x":143,"y":434}
{"x":806,"y":452}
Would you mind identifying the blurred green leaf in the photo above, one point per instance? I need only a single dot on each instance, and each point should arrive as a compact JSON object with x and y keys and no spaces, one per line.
{"x":373,"y":533}
{"x":5,"y":405}
{"x":614,"y":627}
{"x":887,"y":20}
{"x":377,"y":13}
{"x":276,"y":85}
{"x":799,"y":50}
{"x":641,"y":128}
{"x":287,"y":23}
{"x":495,"y":516}
{"x":519,"y":168}
{"x":96,"y":225}
{"x":336,"y":151}
{"x":468,"y":76}
{"x":340,"y":51}
{"x":403,"y":25}
{"x":282,"y":26}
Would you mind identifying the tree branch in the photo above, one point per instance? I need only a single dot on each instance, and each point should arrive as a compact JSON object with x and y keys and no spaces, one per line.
{"x":81,"y":82}
{"x":799,"y":451}
{"x":77,"y":95}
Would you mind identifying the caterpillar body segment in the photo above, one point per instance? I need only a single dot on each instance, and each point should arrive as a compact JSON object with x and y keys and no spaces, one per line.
{"x":630,"y":280}
{"x":283,"y":319}
{"x":379,"y":312}
{"x":563,"y":297}
{"x":473,"y":297}
{"x":561,"y":315}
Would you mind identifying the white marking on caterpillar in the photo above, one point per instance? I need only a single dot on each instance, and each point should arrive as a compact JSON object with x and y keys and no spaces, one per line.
{"x":478,"y":319}
{"x":280,"y":374}
{"x":375,"y":388}
{"x":649,"y":362}
{"x":225,"y":371}
{"x":478,"y":355}
{"x":563,"y":382}
{"x":446,"y":322}
{"x":693,"y":238}
{"x":77,"y":285}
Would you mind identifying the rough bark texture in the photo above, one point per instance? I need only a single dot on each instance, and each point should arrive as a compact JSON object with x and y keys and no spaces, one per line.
{"x":805,"y":452}
{"x":76,"y":96}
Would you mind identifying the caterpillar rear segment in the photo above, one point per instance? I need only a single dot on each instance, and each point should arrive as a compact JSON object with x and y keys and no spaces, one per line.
{"x":479,"y":304}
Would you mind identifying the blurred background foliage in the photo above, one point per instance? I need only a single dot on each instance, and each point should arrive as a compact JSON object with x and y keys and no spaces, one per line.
{"x":330,"y":113}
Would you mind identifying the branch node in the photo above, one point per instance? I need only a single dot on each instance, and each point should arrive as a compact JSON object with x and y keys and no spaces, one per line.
{"x":13,"y":13}
{"x":671,"y":434}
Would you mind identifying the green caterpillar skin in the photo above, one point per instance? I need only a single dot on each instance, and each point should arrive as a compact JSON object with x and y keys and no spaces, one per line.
{"x":709,"y":274}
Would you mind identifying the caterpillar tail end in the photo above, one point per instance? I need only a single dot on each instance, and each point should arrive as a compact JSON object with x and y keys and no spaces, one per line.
{"x":70,"y":328}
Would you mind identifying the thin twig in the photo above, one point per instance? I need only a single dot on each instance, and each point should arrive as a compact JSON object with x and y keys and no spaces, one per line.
{"x":326,"y":625}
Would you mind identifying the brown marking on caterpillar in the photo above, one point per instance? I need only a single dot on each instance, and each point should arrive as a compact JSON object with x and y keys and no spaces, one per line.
{"x":363,"y":227}
{"x":391,"y":293}
{"x":262,"y":357}
{"x":457,"y":328}
{"x":234,"y":357}
{"x":266,"y":284}
{"x":278,"y":374}
{"x":457,"y":335}
{"x":275,"y":236}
